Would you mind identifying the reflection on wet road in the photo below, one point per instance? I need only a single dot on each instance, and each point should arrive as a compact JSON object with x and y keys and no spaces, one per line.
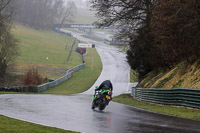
{"x":74,"y":113}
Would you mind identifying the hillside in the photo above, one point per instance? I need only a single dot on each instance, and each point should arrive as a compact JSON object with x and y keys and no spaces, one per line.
{"x":84,"y":16}
{"x":181,"y":76}
{"x":45,"y":50}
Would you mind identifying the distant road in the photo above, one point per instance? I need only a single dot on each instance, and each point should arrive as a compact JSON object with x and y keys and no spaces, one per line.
{"x":115,"y":66}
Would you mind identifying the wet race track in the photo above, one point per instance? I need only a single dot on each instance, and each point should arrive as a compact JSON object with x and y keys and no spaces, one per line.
{"x":74,"y":112}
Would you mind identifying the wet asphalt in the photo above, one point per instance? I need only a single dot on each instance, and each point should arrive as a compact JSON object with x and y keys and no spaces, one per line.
{"x":73,"y":112}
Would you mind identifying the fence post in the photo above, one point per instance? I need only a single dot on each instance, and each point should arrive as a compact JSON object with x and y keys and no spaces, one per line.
{"x":133,"y":91}
{"x":72,"y":74}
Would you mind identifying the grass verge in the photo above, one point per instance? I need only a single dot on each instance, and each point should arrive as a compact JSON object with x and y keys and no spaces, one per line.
{"x":84,"y":16}
{"x":83,"y":79}
{"x":35,"y":46}
{"x":163,"y":109}
{"x":10,"y":125}
{"x":133,"y":76}
{"x":45,"y":50}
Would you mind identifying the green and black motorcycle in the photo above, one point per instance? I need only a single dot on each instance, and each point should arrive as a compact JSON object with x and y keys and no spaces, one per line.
{"x":101,"y":98}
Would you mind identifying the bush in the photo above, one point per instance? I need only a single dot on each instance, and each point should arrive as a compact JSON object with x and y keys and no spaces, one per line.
{"x":32,"y":77}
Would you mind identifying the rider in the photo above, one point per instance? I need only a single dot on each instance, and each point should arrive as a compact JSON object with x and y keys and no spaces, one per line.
{"x":105,"y":85}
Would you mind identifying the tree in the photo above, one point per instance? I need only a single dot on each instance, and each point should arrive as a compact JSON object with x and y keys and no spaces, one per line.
{"x":135,"y":14}
{"x":176,"y":27}
{"x":68,"y":12}
{"x":141,"y":54}
{"x":131,"y":13}
{"x":39,"y":14}
{"x":8,"y":44}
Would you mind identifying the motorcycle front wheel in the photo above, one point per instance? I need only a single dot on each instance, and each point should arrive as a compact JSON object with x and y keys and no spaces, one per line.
{"x":93,"y":104}
{"x":102,"y":104}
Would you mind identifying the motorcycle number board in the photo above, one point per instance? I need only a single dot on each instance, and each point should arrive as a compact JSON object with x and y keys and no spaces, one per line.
{"x":108,"y":97}
{"x":85,"y":45}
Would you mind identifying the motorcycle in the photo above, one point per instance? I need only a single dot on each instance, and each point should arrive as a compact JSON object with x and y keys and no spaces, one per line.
{"x":101,"y":99}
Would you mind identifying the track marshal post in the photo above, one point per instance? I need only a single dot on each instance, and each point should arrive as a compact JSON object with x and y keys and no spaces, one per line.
{"x":82,"y":49}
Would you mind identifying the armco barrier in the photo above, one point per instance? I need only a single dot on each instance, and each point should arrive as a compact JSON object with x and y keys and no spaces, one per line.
{"x":40,"y":88}
{"x":178,"y":97}
{"x":19,"y":89}
{"x":76,"y":68}
{"x":60,"y":80}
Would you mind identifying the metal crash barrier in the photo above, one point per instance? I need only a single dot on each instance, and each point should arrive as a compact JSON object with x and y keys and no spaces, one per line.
{"x":60,"y":80}
{"x":43,"y":87}
{"x":178,"y":97}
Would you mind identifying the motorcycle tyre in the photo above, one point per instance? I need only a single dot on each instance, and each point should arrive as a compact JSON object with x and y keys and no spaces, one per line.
{"x":93,"y":105}
{"x":102,"y":105}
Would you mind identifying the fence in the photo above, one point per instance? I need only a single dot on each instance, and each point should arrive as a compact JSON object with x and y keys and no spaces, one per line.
{"x":19,"y":89}
{"x":54,"y":83}
{"x":40,"y":88}
{"x":62,"y":32}
{"x":178,"y":97}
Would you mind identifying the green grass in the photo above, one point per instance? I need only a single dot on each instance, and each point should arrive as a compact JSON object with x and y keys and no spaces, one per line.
{"x":83,"y":79}
{"x":133,"y":76}
{"x":84,"y":16}
{"x":176,"y":85}
{"x":10,"y":125}
{"x":164,"y":109}
{"x":75,"y":58}
{"x":165,"y":80}
{"x":35,"y":46}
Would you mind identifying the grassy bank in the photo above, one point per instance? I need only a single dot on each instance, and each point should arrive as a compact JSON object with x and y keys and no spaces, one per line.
{"x":36,"y":46}
{"x":133,"y":76}
{"x":83,"y":79}
{"x":10,"y":125}
{"x":183,"y":75}
{"x":164,"y":109}
{"x":46,"y":50}
{"x":84,"y":16}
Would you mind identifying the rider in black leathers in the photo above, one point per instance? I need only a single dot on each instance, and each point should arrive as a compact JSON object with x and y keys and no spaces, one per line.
{"x":105,"y":85}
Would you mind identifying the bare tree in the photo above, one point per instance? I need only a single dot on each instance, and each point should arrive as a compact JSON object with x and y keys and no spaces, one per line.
{"x":8,"y":44}
{"x":125,"y":12}
{"x":39,"y":14}
{"x":68,"y":12}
